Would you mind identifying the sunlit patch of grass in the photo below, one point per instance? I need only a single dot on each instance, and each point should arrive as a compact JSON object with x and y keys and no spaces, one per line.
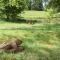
{"x":39,"y":44}
{"x":35,"y":14}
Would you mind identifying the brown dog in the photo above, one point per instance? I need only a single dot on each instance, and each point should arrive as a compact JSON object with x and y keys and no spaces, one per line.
{"x":12,"y":46}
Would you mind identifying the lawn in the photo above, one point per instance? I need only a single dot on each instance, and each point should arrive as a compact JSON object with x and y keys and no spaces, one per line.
{"x":35,"y":14}
{"x":40,"y":40}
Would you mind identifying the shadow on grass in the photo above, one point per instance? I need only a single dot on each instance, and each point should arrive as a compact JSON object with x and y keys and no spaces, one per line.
{"x":14,"y":20}
{"x":18,"y":20}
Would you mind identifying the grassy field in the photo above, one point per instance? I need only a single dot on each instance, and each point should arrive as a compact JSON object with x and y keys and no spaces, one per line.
{"x":41,"y":17}
{"x":41,"y":41}
{"x":35,"y":14}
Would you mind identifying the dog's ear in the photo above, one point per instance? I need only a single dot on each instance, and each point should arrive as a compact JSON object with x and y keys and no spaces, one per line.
{"x":18,"y":41}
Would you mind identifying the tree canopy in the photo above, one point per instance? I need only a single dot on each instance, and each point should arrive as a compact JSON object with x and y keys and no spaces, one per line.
{"x":12,"y":7}
{"x":55,"y":4}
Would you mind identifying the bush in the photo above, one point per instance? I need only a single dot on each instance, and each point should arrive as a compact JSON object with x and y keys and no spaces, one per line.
{"x":11,"y":10}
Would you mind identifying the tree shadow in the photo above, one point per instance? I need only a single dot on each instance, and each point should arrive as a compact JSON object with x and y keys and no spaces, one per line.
{"x":14,"y":20}
{"x":18,"y":20}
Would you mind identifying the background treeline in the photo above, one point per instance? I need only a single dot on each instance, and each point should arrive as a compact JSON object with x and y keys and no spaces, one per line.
{"x":11,"y":8}
{"x":33,"y":4}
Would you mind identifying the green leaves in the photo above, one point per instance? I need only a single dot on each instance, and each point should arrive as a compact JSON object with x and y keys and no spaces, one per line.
{"x":55,"y":4}
{"x":11,"y":9}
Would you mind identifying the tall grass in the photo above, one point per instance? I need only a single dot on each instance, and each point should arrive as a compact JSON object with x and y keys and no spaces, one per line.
{"x":40,"y":42}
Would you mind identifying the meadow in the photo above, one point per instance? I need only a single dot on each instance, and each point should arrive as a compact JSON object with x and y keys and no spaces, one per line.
{"x":40,"y":40}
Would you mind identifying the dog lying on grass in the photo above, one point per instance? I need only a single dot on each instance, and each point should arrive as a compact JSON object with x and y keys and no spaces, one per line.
{"x":13,"y":46}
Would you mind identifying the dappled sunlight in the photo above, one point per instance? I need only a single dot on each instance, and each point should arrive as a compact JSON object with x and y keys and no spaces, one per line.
{"x":35,"y":14}
{"x":45,"y":45}
{"x":48,"y":46}
{"x":14,"y":26}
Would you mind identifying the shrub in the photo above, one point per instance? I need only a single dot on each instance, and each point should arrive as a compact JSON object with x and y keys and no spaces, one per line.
{"x":11,"y":10}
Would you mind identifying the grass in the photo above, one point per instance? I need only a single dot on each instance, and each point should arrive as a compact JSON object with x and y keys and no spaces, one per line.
{"x":34,"y":15}
{"x":41,"y":40}
{"x":40,"y":44}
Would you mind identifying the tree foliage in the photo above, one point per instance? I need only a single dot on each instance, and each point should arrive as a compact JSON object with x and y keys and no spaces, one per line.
{"x":11,"y":9}
{"x":54,"y":4}
{"x":37,"y":5}
{"x":34,"y":4}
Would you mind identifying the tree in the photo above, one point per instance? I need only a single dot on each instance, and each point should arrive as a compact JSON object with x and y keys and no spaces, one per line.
{"x":34,"y":4}
{"x":37,"y":5}
{"x":11,"y":9}
{"x":45,"y":3}
{"x":28,"y":4}
{"x":55,"y":5}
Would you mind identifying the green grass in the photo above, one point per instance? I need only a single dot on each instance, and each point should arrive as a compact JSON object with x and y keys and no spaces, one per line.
{"x":37,"y":15}
{"x":34,"y":15}
{"x":40,"y":42}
